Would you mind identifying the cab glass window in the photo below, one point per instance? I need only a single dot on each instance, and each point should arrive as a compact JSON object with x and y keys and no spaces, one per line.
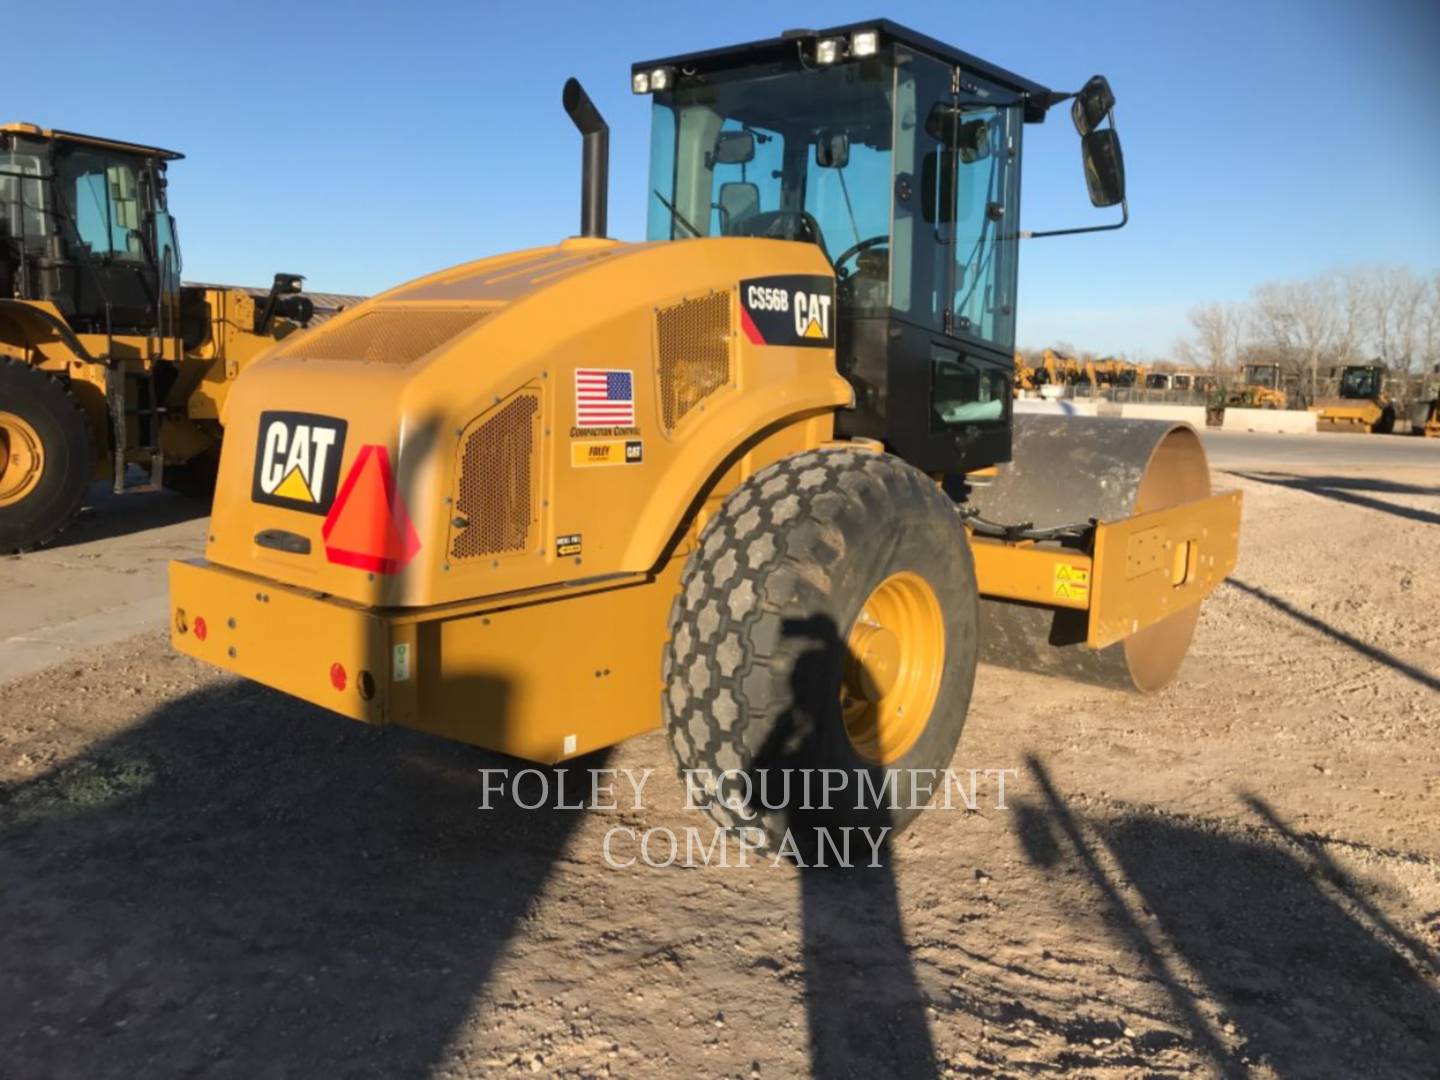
{"x":966,"y":390}
{"x":790,"y":155}
{"x":985,"y":228}
{"x":104,"y":198}
{"x":24,"y":215}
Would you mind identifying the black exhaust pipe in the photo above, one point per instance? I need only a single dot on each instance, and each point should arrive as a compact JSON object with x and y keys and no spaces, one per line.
{"x":595,"y":157}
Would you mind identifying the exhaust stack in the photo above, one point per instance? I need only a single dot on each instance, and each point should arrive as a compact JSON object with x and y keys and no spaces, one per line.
{"x":595,"y":157}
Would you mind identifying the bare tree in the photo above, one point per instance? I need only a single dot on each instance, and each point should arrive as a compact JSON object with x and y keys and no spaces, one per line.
{"x":1429,"y":334}
{"x":1218,"y":329}
{"x":1299,"y":320}
{"x":1351,"y":320}
{"x":1409,"y":300}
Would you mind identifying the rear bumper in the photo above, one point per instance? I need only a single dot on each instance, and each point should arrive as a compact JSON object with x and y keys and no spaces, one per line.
{"x":542,"y":676}
{"x":319,"y":649}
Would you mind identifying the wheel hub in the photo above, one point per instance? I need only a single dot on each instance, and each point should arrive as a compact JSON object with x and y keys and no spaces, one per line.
{"x":22,"y":458}
{"x":895,"y":658}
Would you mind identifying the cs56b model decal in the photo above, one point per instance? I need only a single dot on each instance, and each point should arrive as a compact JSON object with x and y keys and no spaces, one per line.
{"x":790,"y":309}
{"x":297,"y":460}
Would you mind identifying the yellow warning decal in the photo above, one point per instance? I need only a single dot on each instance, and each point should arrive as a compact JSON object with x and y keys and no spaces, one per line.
{"x":606,"y":452}
{"x":1071,"y":582}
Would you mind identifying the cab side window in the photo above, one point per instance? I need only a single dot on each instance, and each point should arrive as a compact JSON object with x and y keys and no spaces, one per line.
{"x":985,"y":225}
{"x":105,"y":200}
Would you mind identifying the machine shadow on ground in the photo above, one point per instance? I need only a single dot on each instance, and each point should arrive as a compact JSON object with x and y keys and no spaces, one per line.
{"x":1346,"y":489}
{"x":245,"y":885}
{"x":107,"y":516}
{"x":1311,"y":979}
{"x":1365,"y":649}
{"x":865,"y":1007}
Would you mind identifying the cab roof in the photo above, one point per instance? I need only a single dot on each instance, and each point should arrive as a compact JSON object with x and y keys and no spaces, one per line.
{"x":35,"y":131}
{"x":781,"y":49}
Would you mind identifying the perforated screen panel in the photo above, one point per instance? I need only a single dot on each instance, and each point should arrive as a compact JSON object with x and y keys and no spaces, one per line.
{"x":397,"y":336}
{"x":694,"y":339}
{"x":495,"y":501}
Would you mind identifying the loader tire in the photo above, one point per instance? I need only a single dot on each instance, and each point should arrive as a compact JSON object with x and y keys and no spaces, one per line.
{"x":1386,"y":424}
{"x":46,"y":459}
{"x":823,"y":577}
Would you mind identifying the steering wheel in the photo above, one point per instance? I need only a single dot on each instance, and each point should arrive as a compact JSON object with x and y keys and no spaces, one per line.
{"x":855,"y":249}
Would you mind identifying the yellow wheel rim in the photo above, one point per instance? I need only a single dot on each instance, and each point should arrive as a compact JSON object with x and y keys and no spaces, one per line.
{"x":22,"y":458}
{"x":893,"y":668}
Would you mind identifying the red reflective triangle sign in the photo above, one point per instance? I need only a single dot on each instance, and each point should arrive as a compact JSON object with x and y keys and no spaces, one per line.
{"x":368,"y":526}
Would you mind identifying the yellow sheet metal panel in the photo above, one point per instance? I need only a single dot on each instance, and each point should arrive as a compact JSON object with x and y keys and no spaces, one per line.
{"x":546,"y":681}
{"x":541,"y":677}
{"x":618,"y":488}
{"x":1048,"y":576}
{"x":328,"y":653}
{"x":1152,"y":565}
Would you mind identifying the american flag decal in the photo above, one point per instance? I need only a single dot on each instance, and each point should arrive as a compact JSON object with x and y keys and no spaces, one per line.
{"x":604,"y":397}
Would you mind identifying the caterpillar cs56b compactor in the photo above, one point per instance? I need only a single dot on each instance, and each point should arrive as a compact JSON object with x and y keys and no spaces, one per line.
{"x":106,"y":359}
{"x":756,"y":479}
{"x":1360,"y":404}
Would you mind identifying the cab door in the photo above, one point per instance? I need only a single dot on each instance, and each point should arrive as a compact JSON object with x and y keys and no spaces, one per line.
{"x":952,"y":338}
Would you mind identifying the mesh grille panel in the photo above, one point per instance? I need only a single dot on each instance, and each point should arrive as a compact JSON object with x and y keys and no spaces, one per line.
{"x":497,"y":481}
{"x":694,"y":337}
{"x":387,"y":336}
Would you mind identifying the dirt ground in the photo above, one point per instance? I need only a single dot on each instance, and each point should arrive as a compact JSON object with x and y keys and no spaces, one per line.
{"x":1238,"y":877}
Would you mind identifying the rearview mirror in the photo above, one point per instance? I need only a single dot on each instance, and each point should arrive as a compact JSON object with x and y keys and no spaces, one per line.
{"x":832,"y":150}
{"x":1092,"y":104}
{"x":733,"y":148}
{"x":969,"y":138}
{"x":1104,"y":167}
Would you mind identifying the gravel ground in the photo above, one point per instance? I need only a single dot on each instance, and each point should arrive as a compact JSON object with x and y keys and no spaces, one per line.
{"x":1238,"y":877}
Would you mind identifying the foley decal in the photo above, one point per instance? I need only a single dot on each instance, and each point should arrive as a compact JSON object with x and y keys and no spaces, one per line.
{"x":584,"y":453}
{"x":791,"y":309}
{"x":297,"y":460}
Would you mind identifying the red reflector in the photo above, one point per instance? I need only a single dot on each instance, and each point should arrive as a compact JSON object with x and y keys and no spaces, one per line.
{"x":200,"y":628}
{"x":337,"y":675}
{"x":369,"y":527}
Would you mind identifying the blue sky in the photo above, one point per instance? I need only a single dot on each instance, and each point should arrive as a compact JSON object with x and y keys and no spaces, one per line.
{"x":364,"y":144}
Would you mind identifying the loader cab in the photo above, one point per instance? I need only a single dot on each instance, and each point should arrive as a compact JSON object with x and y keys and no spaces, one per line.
{"x":897,"y":156}
{"x":1362,"y":382}
{"x":84,"y":224}
{"x":1265,"y":376}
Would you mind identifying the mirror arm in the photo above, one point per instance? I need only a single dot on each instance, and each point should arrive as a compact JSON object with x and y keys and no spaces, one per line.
{"x":1124,"y":219}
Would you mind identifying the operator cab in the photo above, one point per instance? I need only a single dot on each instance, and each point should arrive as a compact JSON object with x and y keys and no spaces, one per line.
{"x":1362,"y":382}
{"x":899,"y":157}
{"x":1266,"y":376}
{"x":84,"y":224}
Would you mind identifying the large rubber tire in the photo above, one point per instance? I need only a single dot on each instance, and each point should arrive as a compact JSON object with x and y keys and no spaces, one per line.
{"x":1386,"y":424}
{"x":47,"y":406}
{"x":759,"y":640}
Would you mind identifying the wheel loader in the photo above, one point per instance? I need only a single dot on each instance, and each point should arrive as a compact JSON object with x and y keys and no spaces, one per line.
{"x":755,"y":480}
{"x":106,"y":359}
{"x":1360,"y":405}
{"x":1260,"y":387}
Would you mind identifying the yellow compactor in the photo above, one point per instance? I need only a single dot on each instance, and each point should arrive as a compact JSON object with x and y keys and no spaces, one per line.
{"x":1360,"y":405}
{"x":107,"y":360}
{"x":756,"y":480}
